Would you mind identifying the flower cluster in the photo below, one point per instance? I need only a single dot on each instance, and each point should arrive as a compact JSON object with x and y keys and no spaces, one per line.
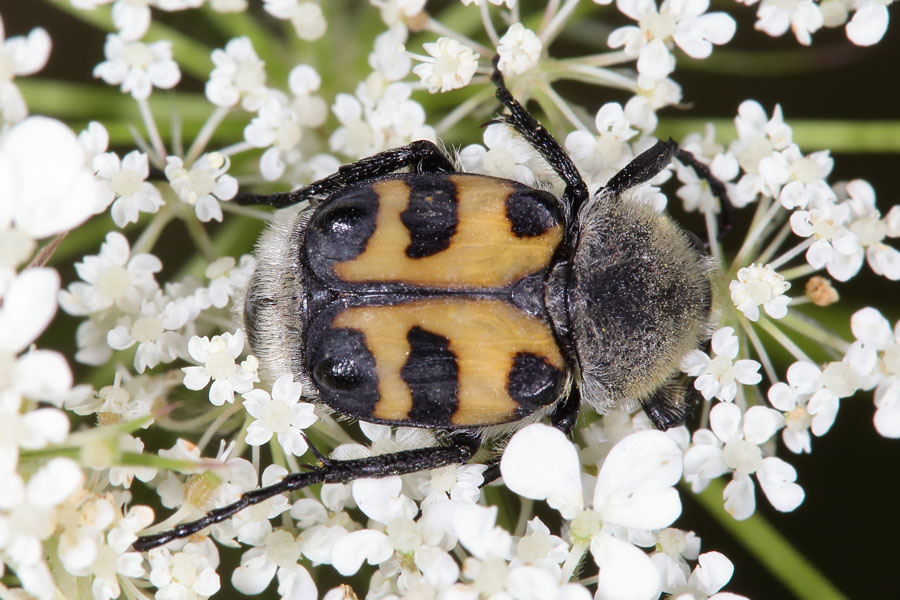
{"x":170,"y":394}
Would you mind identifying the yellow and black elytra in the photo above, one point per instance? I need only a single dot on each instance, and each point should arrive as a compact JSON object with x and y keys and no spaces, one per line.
{"x":471,"y":304}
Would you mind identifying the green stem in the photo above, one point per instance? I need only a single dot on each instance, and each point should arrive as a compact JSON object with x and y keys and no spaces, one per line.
{"x":771,"y":549}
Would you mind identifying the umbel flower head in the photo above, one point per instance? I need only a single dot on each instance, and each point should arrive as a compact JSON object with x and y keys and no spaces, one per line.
{"x":138,"y":228}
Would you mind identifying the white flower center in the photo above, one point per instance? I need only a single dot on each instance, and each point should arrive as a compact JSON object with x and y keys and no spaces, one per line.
{"x":755,"y":151}
{"x":288,"y":134}
{"x":125,"y":182}
{"x":824,"y":226}
{"x":890,"y":360}
{"x":658,"y":26}
{"x":220,"y":364}
{"x":672,"y":542}
{"x":137,"y":55}
{"x":870,"y":230}
{"x":249,"y":74}
{"x":113,"y":282}
{"x":104,"y":565}
{"x":282,"y":549}
{"x":491,"y":577}
{"x":147,"y":329}
{"x":805,"y":170}
{"x":404,"y":535}
{"x":742,"y":456}
{"x":534,"y":547}
{"x":201,"y":181}
{"x":276,"y":416}
{"x":798,"y":419}
{"x":840,"y":379}
{"x":585,"y":525}
{"x":184,"y":569}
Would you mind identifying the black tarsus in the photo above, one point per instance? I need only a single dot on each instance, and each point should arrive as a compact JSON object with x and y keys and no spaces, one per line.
{"x":458,"y":449}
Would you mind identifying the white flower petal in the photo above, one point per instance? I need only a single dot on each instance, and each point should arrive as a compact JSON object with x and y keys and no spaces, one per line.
{"x":776,"y":478}
{"x":740,"y":502}
{"x":626,"y":572}
{"x":541,"y":463}
{"x":349,"y":553}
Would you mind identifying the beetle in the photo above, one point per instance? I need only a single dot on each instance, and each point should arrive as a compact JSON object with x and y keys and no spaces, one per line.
{"x":471,"y":304}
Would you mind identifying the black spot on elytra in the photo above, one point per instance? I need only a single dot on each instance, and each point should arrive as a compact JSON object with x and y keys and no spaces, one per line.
{"x":431,"y":217}
{"x":432,"y":374}
{"x":533,"y":382}
{"x":343,"y":371}
{"x":531,"y":212}
{"x":341,"y":228}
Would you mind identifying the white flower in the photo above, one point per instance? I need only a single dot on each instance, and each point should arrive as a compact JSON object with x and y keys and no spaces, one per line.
{"x":218,"y":357}
{"x":870,"y":229}
{"x":226,"y":278}
{"x":131,"y":18}
{"x":633,"y":490}
{"x":807,"y":175}
{"x":733,"y":446}
{"x":451,"y":67}
{"x":376,"y":119}
{"x":680,"y":21}
{"x":760,"y":139}
{"x":306,"y":17}
{"x":835,"y":247}
{"x":869,"y":22}
{"x":802,"y":16}
{"x":712,"y":572}
{"x":601,"y":156}
{"x":519,"y":50}
{"x":760,"y":285}
{"x":190,"y":572}
{"x":19,"y":55}
{"x":125,"y":180}
{"x":278,"y":554}
{"x":154,"y":329}
{"x":238,"y":76}
{"x":718,"y":377}
{"x":30,"y":200}
{"x":204,"y":184}
{"x":111,"y":278}
{"x":138,"y":67}
{"x":280,"y":414}
{"x":280,"y":124}
{"x":874,"y":332}
{"x":507,"y":155}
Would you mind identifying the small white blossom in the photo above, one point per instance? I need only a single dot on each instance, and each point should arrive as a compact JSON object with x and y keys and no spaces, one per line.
{"x":218,"y":358}
{"x":680,"y":22}
{"x":278,"y":554}
{"x":238,"y":76}
{"x":835,"y":247}
{"x":186,"y":573}
{"x":204,"y":185}
{"x":125,"y":180}
{"x":280,"y":414}
{"x":519,"y":50}
{"x":802,"y":16}
{"x":451,"y":67}
{"x":601,"y":156}
{"x":111,"y":278}
{"x":138,"y":67}
{"x":712,"y":572}
{"x":306,"y":17}
{"x":874,"y":331}
{"x":733,"y":446}
{"x":870,"y":229}
{"x":760,"y":285}
{"x":19,"y":55}
{"x":154,"y":329}
{"x":506,"y":155}
{"x":760,"y":140}
{"x":718,"y":377}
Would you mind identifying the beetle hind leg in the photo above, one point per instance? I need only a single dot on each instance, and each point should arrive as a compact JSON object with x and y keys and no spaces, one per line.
{"x":459,"y":448}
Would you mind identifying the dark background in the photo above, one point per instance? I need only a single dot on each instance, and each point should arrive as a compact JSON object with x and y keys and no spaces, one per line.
{"x":850,"y":521}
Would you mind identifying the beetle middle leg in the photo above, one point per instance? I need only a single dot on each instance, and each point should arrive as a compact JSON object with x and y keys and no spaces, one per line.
{"x":423,"y":156}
